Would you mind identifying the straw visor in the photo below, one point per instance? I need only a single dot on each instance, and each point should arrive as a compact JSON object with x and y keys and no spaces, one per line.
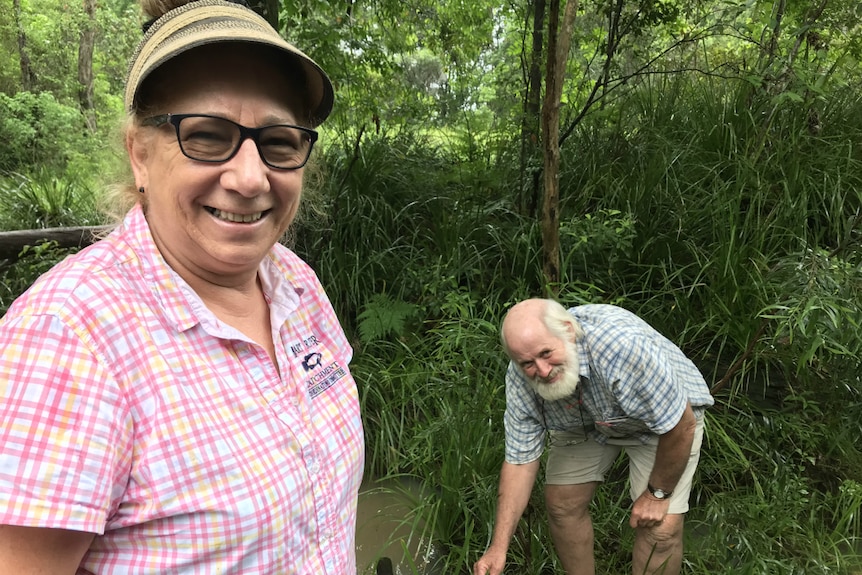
{"x":217,"y":21}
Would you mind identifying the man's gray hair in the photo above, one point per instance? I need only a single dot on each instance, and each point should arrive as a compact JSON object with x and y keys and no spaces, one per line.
{"x":558,"y":319}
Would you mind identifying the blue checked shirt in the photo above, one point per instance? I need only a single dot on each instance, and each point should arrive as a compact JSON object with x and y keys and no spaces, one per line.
{"x":634,"y":384}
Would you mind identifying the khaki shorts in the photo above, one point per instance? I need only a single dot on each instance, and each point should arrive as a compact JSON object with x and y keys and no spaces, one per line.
{"x":575,"y":459}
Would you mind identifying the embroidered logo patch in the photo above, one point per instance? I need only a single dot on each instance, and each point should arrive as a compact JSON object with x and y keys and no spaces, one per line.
{"x":324,"y":379}
{"x":318,"y":363}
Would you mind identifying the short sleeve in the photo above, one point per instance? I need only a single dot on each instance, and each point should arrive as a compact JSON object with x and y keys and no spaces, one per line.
{"x":64,"y":429}
{"x":525,"y":434}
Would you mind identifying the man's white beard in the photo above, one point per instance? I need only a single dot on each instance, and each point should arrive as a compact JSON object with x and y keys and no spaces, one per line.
{"x":569,"y":376}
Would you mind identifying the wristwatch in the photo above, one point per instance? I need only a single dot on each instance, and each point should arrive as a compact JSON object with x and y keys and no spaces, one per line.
{"x":659,"y":493}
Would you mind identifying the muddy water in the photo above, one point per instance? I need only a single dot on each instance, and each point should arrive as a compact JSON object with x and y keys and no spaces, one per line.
{"x":383,"y":528}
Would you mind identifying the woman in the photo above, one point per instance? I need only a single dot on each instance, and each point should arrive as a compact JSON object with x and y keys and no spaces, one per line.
{"x":176,"y":397}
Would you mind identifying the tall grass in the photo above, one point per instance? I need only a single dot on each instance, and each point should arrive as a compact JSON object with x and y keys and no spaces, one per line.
{"x":43,"y":199}
{"x":733,"y":238}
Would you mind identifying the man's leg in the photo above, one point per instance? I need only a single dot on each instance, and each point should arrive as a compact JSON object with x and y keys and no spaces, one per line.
{"x":571,"y":527}
{"x":658,"y":550}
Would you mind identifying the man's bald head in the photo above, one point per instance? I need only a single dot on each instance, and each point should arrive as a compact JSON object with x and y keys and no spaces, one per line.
{"x":531,"y":317}
{"x":523,"y":319}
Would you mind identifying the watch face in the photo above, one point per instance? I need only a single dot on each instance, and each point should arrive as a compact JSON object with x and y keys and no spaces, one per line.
{"x":658,"y":493}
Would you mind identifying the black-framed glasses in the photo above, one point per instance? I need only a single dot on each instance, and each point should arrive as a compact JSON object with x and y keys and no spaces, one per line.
{"x":206,"y":138}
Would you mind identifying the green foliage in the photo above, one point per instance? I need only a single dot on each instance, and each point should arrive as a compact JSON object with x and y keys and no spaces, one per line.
{"x":43,"y":201}
{"x":118,"y":24}
{"x":10,"y":71}
{"x":52,"y":31}
{"x":52,"y":34}
{"x":593,"y":245}
{"x":690,"y":212}
{"x":408,"y":203}
{"x":765,"y":476}
{"x":430,"y":412}
{"x":39,"y":132}
{"x":382,"y":317}
{"x":817,"y":321}
{"x":33,"y":262}
{"x":398,"y":66}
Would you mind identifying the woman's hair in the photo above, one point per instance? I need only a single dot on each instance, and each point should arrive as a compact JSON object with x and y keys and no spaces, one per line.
{"x":121,"y":196}
{"x":155,"y":9}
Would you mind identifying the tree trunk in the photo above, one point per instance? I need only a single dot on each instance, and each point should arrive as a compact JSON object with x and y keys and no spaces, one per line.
{"x":558,"y":52}
{"x":614,"y":32}
{"x":85,"y":65}
{"x":531,"y":124}
{"x":28,"y":78}
{"x":770,"y":47}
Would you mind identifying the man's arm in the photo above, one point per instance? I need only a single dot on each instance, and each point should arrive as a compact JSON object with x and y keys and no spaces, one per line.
{"x":516,"y":484}
{"x":32,"y":550}
{"x":672,"y":453}
{"x":671,"y":457}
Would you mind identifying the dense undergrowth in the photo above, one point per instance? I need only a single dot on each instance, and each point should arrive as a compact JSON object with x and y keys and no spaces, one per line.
{"x":732,"y":228}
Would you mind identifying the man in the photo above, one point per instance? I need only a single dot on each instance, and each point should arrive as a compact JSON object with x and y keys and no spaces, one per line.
{"x":599,"y":380}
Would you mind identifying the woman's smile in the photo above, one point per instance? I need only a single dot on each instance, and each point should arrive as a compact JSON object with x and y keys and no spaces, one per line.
{"x":235,"y":217}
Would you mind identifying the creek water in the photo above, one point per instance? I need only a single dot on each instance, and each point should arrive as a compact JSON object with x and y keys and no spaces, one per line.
{"x":387,"y":532}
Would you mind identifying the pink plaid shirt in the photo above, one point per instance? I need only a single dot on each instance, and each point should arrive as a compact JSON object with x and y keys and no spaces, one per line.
{"x":127,"y":409}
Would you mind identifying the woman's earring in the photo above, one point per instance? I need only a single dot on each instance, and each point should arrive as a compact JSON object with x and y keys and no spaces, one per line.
{"x":141,"y":190}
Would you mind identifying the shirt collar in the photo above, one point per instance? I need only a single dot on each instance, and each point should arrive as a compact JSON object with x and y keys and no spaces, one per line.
{"x":181,"y":304}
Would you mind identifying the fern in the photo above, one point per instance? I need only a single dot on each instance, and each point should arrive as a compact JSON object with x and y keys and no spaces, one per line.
{"x":382,"y":316}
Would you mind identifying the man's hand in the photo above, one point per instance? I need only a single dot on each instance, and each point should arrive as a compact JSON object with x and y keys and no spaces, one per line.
{"x":491,"y":563}
{"x":516,"y":484}
{"x":648,"y":511}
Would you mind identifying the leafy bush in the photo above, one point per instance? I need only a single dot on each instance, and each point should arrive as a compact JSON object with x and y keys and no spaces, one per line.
{"x":38,"y":132}
{"x":34,"y":261}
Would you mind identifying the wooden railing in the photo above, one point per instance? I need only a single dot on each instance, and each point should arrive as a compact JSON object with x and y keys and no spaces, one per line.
{"x":11,"y":243}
